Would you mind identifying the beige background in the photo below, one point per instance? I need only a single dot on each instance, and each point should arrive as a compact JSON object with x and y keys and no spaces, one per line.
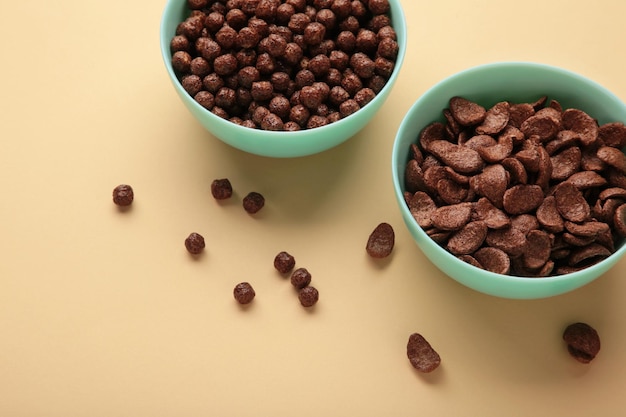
{"x":103,"y":313}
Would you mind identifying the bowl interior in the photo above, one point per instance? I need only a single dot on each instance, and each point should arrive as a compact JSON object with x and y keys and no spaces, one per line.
{"x":487,"y":85}
{"x":278,"y":144}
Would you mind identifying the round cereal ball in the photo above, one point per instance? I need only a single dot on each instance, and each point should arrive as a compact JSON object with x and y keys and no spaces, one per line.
{"x":291,"y":126}
{"x":327,"y":18}
{"x":123,"y":195}
{"x":308,"y":296}
{"x":181,"y":61}
{"x":342,"y":8}
{"x":214,"y":21}
{"x":197,"y":4}
{"x":280,"y":106}
{"x":244,"y":293}
{"x":262,"y":90}
{"x":299,"y":114}
{"x":179,"y":43}
{"x":272,"y":121}
{"x":281,"y":81}
{"x":300,"y":278}
{"x":225,"y":64}
{"x":200,"y":67}
{"x":284,"y":262}
{"x":378,"y":7}
{"x":253,"y":202}
{"x":236,"y":18}
{"x":314,"y":33}
{"x":247,"y":37}
{"x":319,"y":65}
{"x":192,"y":84}
{"x":284,"y":13}
{"x":194,"y":243}
{"x":311,"y":96}
{"x":221,"y":189}
{"x":346,"y":41}
{"x":205,"y":99}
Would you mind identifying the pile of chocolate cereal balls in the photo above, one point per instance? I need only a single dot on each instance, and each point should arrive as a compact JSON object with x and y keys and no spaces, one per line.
{"x":284,"y":65}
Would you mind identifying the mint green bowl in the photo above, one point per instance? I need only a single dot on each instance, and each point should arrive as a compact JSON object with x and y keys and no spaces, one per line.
{"x":488,"y":84}
{"x":278,"y":144}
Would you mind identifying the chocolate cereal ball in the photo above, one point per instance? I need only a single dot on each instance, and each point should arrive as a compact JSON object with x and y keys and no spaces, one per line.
{"x":266,"y":10}
{"x":225,"y":64}
{"x":272,"y":121}
{"x":364,"y":96}
{"x":342,"y":8}
{"x":298,"y":5}
{"x":212,"y":83}
{"x":200,"y":67}
{"x":346,"y":41}
{"x":316,"y":121}
{"x":379,"y":6}
{"x":205,"y":99}
{"x":383,"y":68}
{"x":284,"y":262}
{"x":284,"y":13}
{"x":281,"y":82}
{"x":299,"y":114}
{"x":308,"y":296}
{"x":194,"y":243}
{"x":319,"y":65}
{"x":226,"y":98}
{"x":298,"y":22}
{"x":314,"y":33}
{"x":253,"y":202}
{"x":192,"y":84}
{"x":244,"y":293}
{"x":362,"y":65}
{"x":123,"y":195}
{"x":291,"y":126}
{"x":348,"y":107}
{"x":280,"y":106}
{"x":247,"y":37}
{"x":262,"y":90}
{"x":366,"y":41}
{"x":179,"y":43}
{"x":214,"y":21}
{"x":181,"y":61}
{"x":300,"y":278}
{"x":197,"y":4}
{"x":248,"y":75}
{"x":236,"y":18}
{"x":221,"y":189}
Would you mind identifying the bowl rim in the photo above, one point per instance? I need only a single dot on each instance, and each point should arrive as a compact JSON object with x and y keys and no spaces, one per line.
{"x":582,"y":276}
{"x":286,"y":137}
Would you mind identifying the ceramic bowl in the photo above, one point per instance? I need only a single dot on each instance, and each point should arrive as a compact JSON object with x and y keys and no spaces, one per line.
{"x":488,"y":84}
{"x":279,"y":143}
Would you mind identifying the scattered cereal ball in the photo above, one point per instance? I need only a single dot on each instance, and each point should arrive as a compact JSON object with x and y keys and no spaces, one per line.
{"x":308,"y":296}
{"x":244,"y":293}
{"x":421,"y":354}
{"x":253,"y":202}
{"x":381,"y":241}
{"x":194,"y":243}
{"x":221,"y":189}
{"x":123,"y":195}
{"x":583,"y":342}
{"x":300,"y":278}
{"x":284,"y":262}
